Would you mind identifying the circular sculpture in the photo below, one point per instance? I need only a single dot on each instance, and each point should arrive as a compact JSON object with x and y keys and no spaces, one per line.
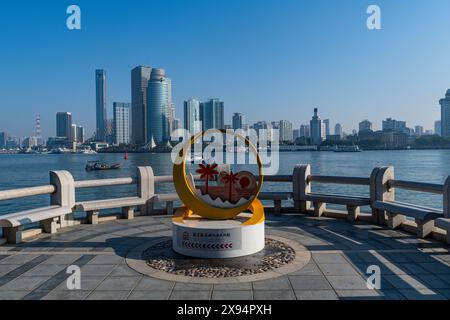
{"x":211,"y":224}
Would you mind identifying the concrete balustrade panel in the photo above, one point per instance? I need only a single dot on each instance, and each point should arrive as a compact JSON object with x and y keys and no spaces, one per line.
{"x":382,"y":190}
{"x":301,"y":187}
{"x":146,"y":188}
{"x":64,"y":196}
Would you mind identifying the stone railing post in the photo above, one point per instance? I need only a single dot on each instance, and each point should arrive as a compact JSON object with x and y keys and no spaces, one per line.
{"x":146,"y":188}
{"x":446,"y":197}
{"x":384,"y":193}
{"x":64,"y":196}
{"x":301,"y":187}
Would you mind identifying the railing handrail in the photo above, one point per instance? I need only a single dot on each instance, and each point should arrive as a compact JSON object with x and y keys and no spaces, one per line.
{"x":26,"y":192}
{"x":340,"y":180}
{"x":105,"y":182}
{"x":417,"y":186}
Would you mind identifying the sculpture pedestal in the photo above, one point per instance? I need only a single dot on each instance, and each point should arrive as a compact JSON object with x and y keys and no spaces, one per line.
{"x":202,"y":238}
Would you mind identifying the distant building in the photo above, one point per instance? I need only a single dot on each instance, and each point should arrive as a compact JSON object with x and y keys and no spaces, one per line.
{"x":176,"y":124}
{"x":286,"y":133}
{"x":192,"y":122}
{"x":305,"y":131}
{"x":30,"y":142}
{"x":121,"y":122}
{"x":80,"y":134}
{"x":296,"y":133}
{"x":109,"y":131}
{"x":418,"y":131}
{"x":3,"y":139}
{"x":394,"y":125}
{"x":338,"y":130}
{"x":326,"y":124}
{"x":64,"y":125}
{"x":100,"y":95}
{"x":317,"y":129}
{"x":238,"y":121}
{"x":159,"y":105}
{"x":212,"y":114}
{"x":260,"y":125}
{"x":74,"y":133}
{"x":437,"y":128}
{"x":445,"y":115}
{"x":365,"y":125}
{"x":139,"y":83}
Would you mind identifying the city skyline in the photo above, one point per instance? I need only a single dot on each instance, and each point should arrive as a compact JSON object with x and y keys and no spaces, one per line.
{"x":376,"y":77}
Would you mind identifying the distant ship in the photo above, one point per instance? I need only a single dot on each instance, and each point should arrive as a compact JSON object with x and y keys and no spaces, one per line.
{"x":353,"y":148}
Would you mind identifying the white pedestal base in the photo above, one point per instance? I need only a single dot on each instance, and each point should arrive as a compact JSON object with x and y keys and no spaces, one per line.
{"x":201,"y":238}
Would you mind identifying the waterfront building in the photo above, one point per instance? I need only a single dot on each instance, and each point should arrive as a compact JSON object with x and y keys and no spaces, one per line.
{"x":395,"y":125}
{"x":121,"y":122}
{"x":140,"y":77}
{"x":29,"y":142}
{"x":80,"y":134}
{"x":238,"y":121}
{"x":212,"y":114}
{"x":176,"y":124}
{"x":437,"y":127}
{"x":286,"y":133}
{"x":418,"y":131}
{"x":305,"y":131}
{"x":100,"y":93}
{"x":445,"y":115}
{"x":74,"y":134}
{"x":158,"y":107}
{"x":338,"y":130}
{"x":316,"y":129}
{"x":109,"y":131}
{"x":3,"y":139}
{"x":326,"y":124}
{"x":192,"y":122}
{"x":365,"y":125}
{"x":64,"y":125}
{"x":296,"y":133}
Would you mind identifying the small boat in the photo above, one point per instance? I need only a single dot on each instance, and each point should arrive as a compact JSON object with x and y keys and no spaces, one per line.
{"x":353,"y":148}
{"x":126,"y":155}
{"x":98,"y":166}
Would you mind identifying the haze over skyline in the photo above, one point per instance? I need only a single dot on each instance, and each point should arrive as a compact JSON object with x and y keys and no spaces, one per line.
{"x":269,"y":60}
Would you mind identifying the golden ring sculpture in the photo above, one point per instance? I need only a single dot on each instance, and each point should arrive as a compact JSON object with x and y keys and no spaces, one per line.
{"x":192,"y":204}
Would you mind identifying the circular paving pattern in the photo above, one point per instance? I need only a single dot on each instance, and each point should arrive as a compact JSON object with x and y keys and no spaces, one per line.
{"x":157,"y":259}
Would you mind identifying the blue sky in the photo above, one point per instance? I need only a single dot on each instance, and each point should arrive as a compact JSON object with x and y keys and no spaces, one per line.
{"x":269,"y":59}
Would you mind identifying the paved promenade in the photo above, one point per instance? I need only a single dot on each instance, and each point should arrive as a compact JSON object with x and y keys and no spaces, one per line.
{"x":341,"y":252}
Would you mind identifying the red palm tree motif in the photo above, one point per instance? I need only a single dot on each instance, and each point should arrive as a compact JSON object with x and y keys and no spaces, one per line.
{"x":207,"y":171}
{"x":230,"y":178}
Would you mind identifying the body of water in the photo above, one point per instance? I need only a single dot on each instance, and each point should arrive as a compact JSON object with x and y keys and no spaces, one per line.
{"x":432,"y":166}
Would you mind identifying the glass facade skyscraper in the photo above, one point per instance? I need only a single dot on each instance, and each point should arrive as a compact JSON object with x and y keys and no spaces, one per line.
{"x":192,"y":121}
{"x":445,"y":115}
{"x":317,"y":129}
{"x":212,"y":114}
{"x":139,"y":83}
{"x":100,"y":93}
{"x":238,"y":121}
{"x":158,"y":107}
{"x":64,"y":125}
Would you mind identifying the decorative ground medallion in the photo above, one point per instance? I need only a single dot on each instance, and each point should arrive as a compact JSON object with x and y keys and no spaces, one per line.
{"x":158,"y":259}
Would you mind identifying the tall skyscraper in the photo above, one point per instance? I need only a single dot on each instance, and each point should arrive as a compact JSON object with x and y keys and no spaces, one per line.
{"x":317,"y":129}
{"x":238,"y":121}
{"x":305,"y":131}
{"x":326,"y":124}
{"x":3,"y":138}
{"x":100,"y":93}
{"x":158,"y":106}
{"x":286,"y":133}
{"x":212,"y":114}
{"x":445,"y":115}
{"x":418,"y":131}
{"x":80,"y":134}
{"x":394,"y":125}
{"x":192,"y":122}
{"x":437,"y":127}
{"x":64,"y":125}
{"x":365,"y":125}
{"x":139,"y":83}
{"x":338,"y":130}
{"x":74,"y":133}
{"x":121,"y":122}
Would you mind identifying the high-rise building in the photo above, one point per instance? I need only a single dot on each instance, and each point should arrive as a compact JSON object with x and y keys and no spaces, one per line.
{"x":317,"y":129}
{"x":176,"y":124}
{"x":3,"y":139}
{"x":238,"y":121}
{"x":64,"y":125}
{"x":109,"y":131}
{"x":286,"y":133}
{"x":139,"y":83}
{"x":158,"y":107}
{"x":80,"y":134}
{"x":121,"y":122}
{"x":192,"y":122}
{"x":418,"y":131}
{"x":305,"y":131}
{"x":437,"y":127}
{"x":394,"y":125}
{"x":100,"y":93}
{"x":445,"y":115}
{"x":326,"y":123}
{"x":338,"y":130}
{"x":74,"y":133}
{"x":296,"y":134}
{"x":365,"y":125}
{"x":212,"y":114}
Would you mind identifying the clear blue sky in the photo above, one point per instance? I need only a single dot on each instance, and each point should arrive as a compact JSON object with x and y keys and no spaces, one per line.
{"x":269,"y":59}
